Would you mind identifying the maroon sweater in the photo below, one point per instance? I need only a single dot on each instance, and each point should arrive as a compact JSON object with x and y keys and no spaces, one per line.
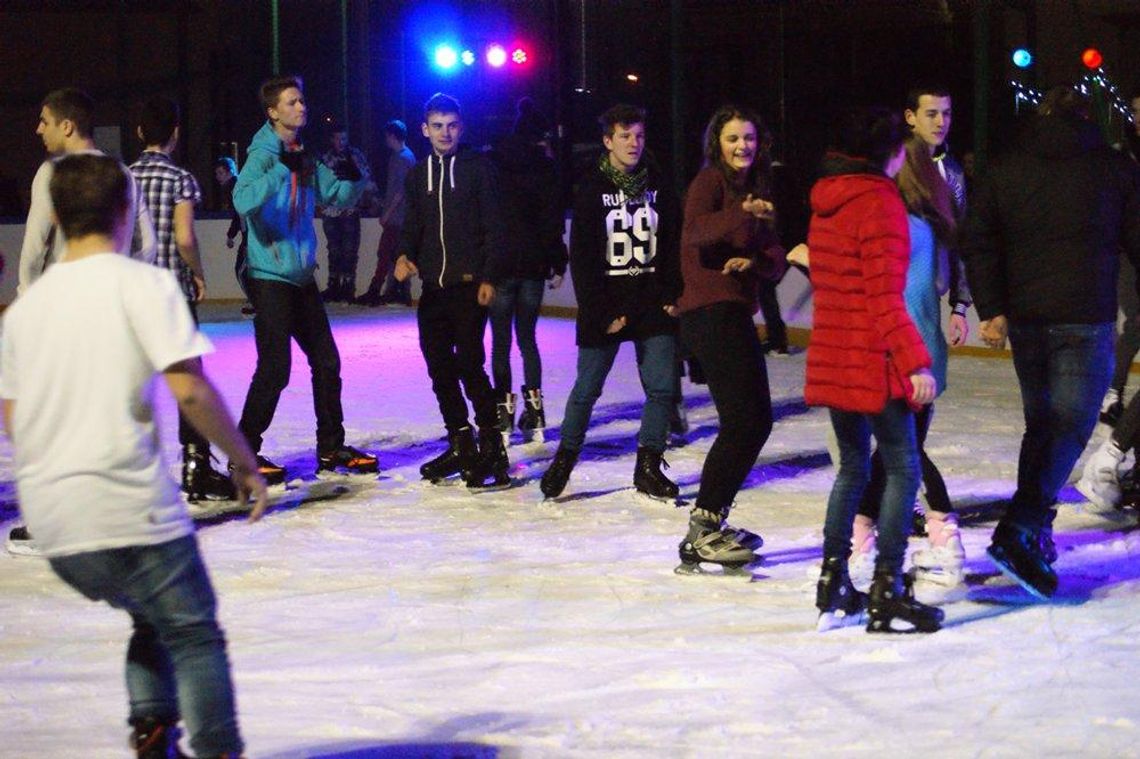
{"x":717,"y":229}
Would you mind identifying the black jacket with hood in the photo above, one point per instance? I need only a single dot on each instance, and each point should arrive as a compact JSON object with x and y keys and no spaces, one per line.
{"x":1045,"y":230}
{"x":534,"y":219}
{"x":624,"y":259}
{"x":453,"y":230}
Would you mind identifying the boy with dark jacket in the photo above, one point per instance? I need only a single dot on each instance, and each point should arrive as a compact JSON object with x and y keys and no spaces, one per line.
{"x":624,"y":262}
{"x":451,"y":240}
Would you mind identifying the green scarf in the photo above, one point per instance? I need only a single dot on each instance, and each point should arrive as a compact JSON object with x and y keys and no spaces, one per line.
{"x":633,"y":185}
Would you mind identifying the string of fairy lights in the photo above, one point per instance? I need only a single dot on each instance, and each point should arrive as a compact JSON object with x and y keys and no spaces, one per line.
{"x":1095,"y":81}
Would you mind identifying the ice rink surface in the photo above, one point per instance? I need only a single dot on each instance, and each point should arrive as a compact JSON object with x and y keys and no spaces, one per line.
{"x":403,"y":619}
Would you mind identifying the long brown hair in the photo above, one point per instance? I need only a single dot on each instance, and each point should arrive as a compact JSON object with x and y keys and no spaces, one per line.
{"x":757,"y":180}
{"x":925,"y":193}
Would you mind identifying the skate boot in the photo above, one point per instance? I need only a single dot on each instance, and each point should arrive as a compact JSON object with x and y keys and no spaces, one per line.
{"x":1100,"y":480}
{"x":457,"y":459}
{"x":750,"y":540}
{"x":892,"y":607}
{"x":1111,"y":408}
{"x":648,"y":477}
{"x":21,"y":543}
{"x":839,"y":603}
{"x":491,"y":468}
{"x":200,"y":481}
{"x":556,"y":476}
{"x":709,"y":541}
{"x":348,"y":459}
{"x":939,"y":576}
{"x":505,"y":407}
{"x":155,"y":739}
{"x":1020,"y":554}
{"x":532,"y":420}
{"x":270,"y":472}
{"x":861,"y":565}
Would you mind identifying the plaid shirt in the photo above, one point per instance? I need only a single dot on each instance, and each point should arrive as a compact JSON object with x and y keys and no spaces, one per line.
{"x":164,"y":186}
{"x":333,"y":160}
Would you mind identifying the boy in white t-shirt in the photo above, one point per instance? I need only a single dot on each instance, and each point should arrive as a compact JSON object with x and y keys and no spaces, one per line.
{"x":80,"y":353}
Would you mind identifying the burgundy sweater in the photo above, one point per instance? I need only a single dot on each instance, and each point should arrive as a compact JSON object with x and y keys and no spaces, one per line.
{"x":717,"y":229}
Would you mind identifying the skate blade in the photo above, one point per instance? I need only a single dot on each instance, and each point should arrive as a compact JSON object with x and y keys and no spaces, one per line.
{"x":896,"y":626}
{"x":657,"y":499}
{"x":1008,"y":572}
{"x":834,"y":620}
{"x":491,"y":487}
{"x":716,"y":570}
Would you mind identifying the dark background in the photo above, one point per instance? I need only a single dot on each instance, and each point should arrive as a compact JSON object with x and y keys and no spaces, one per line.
{"x":797,"y":61}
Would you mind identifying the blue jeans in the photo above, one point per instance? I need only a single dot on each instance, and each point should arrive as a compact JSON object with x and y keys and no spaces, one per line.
{"x":656,"y":358}
{"x":343,"y":236}
{"x":177,"y":653}
{"x":893,"y":428}
{"x":1063,"y":370}
{"x":516,"y":302}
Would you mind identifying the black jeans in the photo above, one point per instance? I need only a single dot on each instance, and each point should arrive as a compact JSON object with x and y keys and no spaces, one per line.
{"x":187,"y":435}
{"x":724,"y":340}
{"x":286,"y":311}
{"x":936,"y":496}
{"x":770,"y":309}
{"x":452,"y":324}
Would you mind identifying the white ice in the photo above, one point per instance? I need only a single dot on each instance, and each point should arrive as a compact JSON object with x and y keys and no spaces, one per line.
{"x":405,"y":619}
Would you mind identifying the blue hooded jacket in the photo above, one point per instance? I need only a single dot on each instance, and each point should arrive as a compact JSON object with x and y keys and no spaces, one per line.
{"x":278,"y":210}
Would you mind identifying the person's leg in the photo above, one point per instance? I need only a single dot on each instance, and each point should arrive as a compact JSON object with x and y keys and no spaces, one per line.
{"x":770,"y":308}
{"x":334,"y":236}
{"x":437,"y":344}
{"x":469,"y":325}
{"x":893,"y":429}
{"x":656,"y":364}
{"x":351,"y":255}
{"x":502,"y":315}
{"x":853,"y":437}
{"x":937,"y":497}
{"x":527,"y":308}
{"x":187,"y":435}
{"x":272,"y":326}
{"x":314,"y":336}
{"x":1128,"y":343}
{"x":594,"y":366}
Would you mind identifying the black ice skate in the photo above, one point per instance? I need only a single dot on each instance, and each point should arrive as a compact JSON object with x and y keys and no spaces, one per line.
{"x":491,"y":469}
{"x":457,"y":459}
{"x":558,"y":474}
{"x":709,"y":541}
{"x":347,"y":459}
{"x":532,"y":420}
{"x":1019,"y":554}
{"x":200,"y":481}
{"x":648,"y":477}
{"x":839,"y":603}
{"x":153,"y":739}
{"x":270,"y":472}
{"x":505,"y":408}
{"x":892,"y":607}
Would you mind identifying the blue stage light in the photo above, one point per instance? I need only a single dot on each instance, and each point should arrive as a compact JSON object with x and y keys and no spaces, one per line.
{"x":1022,"y":58}
{"x":467,"y":57}
{"x":446,"y":57}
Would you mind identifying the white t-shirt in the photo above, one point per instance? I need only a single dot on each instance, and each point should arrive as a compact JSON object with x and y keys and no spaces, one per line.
{"x":80,"y":354}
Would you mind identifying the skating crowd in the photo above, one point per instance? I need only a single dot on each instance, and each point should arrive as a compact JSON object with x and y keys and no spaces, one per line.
{"x":1036,"y":250}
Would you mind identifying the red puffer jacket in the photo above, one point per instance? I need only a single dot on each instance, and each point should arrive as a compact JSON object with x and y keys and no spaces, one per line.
{"x":863,"y":345}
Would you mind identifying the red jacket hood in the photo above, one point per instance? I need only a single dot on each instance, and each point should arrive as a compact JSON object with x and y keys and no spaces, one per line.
{"x":832,"y":193}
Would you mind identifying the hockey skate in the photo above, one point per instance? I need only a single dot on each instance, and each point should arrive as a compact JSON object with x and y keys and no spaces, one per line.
{"x":839,"y":603}
{"x":649,"y":479}
{"x":491,"y":468}
{"x":532,"y":420}
{"x":1100,"y":481}
{"x":155,"y":739}
{"x":200,"y":481}
{"x":556,"y":476}
{"x":892,"y":608}
{"x":457,"y":459}
{"x":270,"y":472}
{"x":347,"y":459}
{"x":505,"y":409}
{"x":1021,"y":554}
{"x":709,"y":541}
{"x":939,"y":576}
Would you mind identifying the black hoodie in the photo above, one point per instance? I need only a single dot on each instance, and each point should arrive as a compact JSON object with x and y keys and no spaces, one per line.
{"x":1046,"y":227}
{"x":533,"y":217}
{"x":452,"y":231}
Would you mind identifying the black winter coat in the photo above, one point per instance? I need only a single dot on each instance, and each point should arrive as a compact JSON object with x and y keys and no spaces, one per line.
{"x":533,"y":217}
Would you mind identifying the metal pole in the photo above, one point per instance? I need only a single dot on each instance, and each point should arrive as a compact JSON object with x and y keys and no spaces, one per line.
{"x":276,"y":13}
{"x":676,"y":29}
{"x":981,"y":83}
{"x":344,"y":62}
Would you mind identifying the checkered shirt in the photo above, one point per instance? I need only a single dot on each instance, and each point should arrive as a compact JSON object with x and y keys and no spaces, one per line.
{"x":165,"y":185}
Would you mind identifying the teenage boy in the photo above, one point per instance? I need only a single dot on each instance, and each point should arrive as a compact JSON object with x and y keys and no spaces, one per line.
{"x":400,"y":162}
{"x":276,"y":192}
{"x":624,"y":262}
{"x":451,"y":240}
{"x":171,"y":193}
{"x":342,"y":224}
{"x":81,"y":348}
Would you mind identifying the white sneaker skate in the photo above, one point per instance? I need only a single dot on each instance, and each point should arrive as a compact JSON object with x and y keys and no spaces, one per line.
{"x":861,"y":565}
{"x":1100,"y":481}
{"x":939,"y":576}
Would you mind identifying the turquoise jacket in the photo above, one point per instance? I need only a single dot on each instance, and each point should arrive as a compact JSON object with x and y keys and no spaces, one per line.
{"x":921,"y":294}
{"x":278,"y":210}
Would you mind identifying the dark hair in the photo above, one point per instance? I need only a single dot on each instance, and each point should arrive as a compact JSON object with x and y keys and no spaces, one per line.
{"x":397,"y":129}
{"x":914,"y":94}
{"x":271,"y":89}
{"x":756,"y":179}
{"x":74,"y":105}
{"x":620,"y":114}
{"x":1064,"y":100}
{"x":441,"y":103}
{"x":529,"y":123}
{"x":925,"y":192}
{"x":157,"y":118}
{"x":227,"y":163}
{"x":90,"y":193}
{"x":870,"y":133}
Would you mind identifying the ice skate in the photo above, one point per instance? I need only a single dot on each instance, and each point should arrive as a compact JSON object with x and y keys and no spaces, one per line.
{"x":505,"y":409}
{"x":556,"y":476}
{"x":1100,"y":481}
{"x":491,"y":468}
{"x":155,"y":739}
{"x":839,"y":603}
{"x":892,"y":608}
{"x":347,"y":459}
{"x":1111,"y":408}
{"x":270,"y":472}
{"x":1020,"y":555}
{"x":532,"y":420}
{"x":708,"y":541}
{"x":457,"y":459}
{"x":861,"y":565}
{"x":939,"y":576}
{"x":21,"y":543}
{"x":649,"y":479}
{"x":200,"y":481}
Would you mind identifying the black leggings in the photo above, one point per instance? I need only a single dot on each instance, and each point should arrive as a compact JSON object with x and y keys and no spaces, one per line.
{"x":936,"y":496}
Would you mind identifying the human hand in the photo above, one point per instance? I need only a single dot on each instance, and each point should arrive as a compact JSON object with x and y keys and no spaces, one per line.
{"x":486,"y":293}
{"x":200,"y":288}
{"x":923,"y":387}
{"x":250,"y":485}
{"x":798,"y":255}
{"x":555,"y":282}
{"x":994,"y":331}
{"x":671,"y":309}
{"x":617,"y":325}
{"x":758,"y":207}
{"x":959,"y":329}
{"x":294,"y":160}
{"x":737,"y":264}
{"x":404,"y":269}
